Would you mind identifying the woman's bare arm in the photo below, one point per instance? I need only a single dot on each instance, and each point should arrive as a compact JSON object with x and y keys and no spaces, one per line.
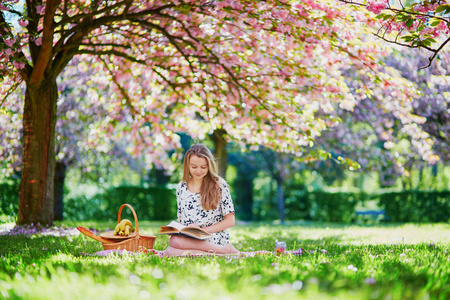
{"x":222,"y":225}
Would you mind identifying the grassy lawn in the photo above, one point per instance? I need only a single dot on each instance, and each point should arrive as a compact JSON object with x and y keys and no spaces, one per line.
{"x":403,"y":261}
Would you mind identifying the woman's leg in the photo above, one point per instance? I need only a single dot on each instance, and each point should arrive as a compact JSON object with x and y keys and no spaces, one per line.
{"x":190,"y":244}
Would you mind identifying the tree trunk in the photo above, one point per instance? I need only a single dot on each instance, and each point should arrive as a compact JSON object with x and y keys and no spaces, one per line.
{"x":280,"y":197}
{"x":220,"y":150}
{"x":60,"y":176}
{"x":434,"y":171}
{"x":420,"y":182}
{"x":38,"y":159}
{"x":161,"y":178}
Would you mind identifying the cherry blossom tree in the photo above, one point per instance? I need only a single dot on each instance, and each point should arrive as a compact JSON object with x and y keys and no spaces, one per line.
{"x":380,"y":141}
{"x":413,"y":24}
{"x":434,"y":102}
{"x":80,"y":139}
{"x":268,"y":73}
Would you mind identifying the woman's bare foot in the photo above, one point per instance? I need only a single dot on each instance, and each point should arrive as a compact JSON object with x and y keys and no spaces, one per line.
{"x":230,"y":249}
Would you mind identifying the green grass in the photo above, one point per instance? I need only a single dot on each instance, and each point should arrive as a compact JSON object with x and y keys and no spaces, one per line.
{"x":408,"y":261}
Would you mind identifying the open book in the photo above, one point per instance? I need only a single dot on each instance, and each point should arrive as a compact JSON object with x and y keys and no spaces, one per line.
{"x":176,"y":228}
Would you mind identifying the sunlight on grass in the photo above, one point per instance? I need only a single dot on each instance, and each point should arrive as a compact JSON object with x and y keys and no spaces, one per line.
{"x":407,"y":261}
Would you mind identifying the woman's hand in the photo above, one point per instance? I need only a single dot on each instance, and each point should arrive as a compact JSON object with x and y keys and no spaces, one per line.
{"x":222,"y":225}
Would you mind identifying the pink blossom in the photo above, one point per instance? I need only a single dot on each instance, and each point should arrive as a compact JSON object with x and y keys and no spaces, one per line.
{"x":40,"y":9}
{"x":9,"y":42}
{"x":19,"y":65}
{"x":376,"y":6}
{"x":23,"y":23}
{"x":283,"y":28}
{"x":370,"y":280}
{"x":281,"y":14}
{"x":252,"y":21}
{"x":38,"y":41}
{"x":221,"y":14}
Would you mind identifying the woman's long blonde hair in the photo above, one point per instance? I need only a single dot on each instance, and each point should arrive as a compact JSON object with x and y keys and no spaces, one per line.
{"x":210,"y":189}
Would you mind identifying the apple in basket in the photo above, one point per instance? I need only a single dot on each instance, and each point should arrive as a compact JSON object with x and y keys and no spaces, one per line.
{"x":124,"y":228}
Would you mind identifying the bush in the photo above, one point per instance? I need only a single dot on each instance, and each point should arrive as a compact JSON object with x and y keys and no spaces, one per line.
{"x":333,"y":207}
{"x":155,"y":203}
{"x":84,"y":209}
{"x":298,"y":205}
{"x":159,"y":203}
{"x":322,"y":206}
{"x":416,"y":206}
{"x":9,"y":198}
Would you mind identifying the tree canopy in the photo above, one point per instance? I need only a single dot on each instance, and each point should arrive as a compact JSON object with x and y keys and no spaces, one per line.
{"x":412,"y":24}
{"x":270,"y":73}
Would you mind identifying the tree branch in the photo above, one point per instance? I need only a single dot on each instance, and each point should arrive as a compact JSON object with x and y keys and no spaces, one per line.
{"x":45,"y":51}
{"x":127,"y":97}
{"x":76,"y":34}
{"x":112,"y":52}
{"x":419,"y":16}
{"x":435,"y":54}
{"x":10,"y":91}
{"x":172,"y":40}
{"x":414,"y":13}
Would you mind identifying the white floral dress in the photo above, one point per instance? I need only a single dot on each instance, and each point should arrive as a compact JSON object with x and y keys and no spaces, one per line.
{"x":190,"y":210}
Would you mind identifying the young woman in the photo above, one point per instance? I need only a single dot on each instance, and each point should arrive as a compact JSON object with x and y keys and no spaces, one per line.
{"x":204,"y":201}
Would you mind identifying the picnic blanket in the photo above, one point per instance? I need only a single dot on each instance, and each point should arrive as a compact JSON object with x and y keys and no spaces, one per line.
{"x":161,"y":253}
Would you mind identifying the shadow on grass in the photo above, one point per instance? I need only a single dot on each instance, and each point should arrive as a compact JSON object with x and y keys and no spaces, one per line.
{"x":29,"y":249}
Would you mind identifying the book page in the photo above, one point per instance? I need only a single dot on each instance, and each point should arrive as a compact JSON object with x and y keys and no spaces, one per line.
{"x":196,"y":232}
{"x":175,"y":225}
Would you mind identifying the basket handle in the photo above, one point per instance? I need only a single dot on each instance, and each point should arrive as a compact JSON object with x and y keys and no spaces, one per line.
{"x":135,"y":217}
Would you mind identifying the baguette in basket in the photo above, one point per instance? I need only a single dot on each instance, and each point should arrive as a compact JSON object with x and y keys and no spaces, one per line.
{"x":130,"y":241}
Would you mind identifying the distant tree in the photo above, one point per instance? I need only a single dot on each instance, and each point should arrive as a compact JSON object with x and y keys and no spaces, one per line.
{"x":380,"y":140}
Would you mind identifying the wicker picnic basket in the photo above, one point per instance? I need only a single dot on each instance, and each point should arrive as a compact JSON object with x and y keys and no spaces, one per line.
{"x":138,"y":242}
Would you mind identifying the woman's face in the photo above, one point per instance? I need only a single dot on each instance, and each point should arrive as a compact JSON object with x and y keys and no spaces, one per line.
{"x":198,"y":167}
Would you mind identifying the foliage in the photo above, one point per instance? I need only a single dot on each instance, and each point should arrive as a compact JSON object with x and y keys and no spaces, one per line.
{"x":158,"y":203}
{"x":342,"y":262}
{"x":418,"y":24}
{"x":416,"y":206}
{"x":324,"y":206}
{"x":9,"y":198}
{"x":379,"y":140}
{"x":153,"y":203}
{"x":87,"y":138}
{"x":434,"y":101}
{"x":269,"y":73}
{"x":249,"y":67}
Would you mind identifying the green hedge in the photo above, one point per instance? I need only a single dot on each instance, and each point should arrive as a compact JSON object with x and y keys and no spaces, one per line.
{"x":155,"y":203}
{"x":416,"y":206}
{"x":323,"y":206}
{"x":159,"y":203}
{"x":405,"y":206}
{"x":9,"y":198}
